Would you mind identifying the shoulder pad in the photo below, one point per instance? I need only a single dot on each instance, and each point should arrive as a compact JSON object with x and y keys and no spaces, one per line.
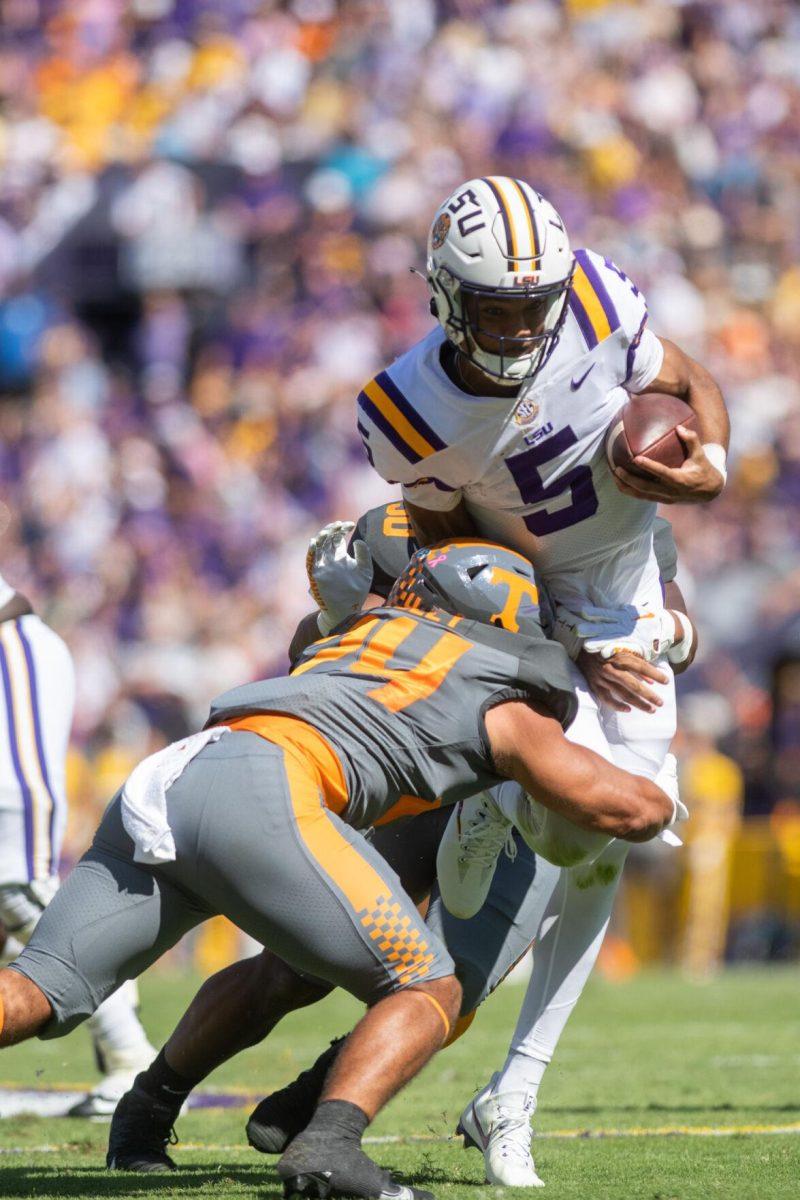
{"x":387,"y":533}
{"x":603,"y":299}
{"x":382,"y":404}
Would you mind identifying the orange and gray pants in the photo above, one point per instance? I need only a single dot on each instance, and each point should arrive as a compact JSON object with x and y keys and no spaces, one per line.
{"x":255,"y":842}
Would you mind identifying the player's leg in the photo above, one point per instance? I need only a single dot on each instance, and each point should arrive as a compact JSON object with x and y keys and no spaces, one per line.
{"x":575,"y":924}
{"x":291,"y":874}
{"x":410,"y":850}
{"x":484,"y":949}
{"x":498,"y":1118}
{"x":122,"y":1049}
{"x":240,"y":1005}
{"x":107,"y":923}
{"x":38,"y":700}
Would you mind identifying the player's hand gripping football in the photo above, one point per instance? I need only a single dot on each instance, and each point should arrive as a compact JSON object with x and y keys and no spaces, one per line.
{"x":339,"y":582}
{"x":695,"y":481}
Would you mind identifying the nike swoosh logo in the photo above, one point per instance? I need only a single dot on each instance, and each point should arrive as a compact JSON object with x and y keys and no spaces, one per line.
{"x":576,"y":383}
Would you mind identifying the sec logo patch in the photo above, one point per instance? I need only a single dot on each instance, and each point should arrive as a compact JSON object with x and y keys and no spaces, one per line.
{"x":526,"y":411}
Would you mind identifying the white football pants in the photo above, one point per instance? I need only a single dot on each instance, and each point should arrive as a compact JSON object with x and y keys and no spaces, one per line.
{"x":37,"y":698}
{"x":577,"y":914}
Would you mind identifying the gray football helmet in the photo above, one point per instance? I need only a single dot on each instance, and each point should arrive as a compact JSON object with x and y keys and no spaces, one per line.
{"x":471,"y":578}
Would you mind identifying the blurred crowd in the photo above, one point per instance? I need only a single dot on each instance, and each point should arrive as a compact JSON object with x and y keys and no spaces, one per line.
{"x":208,"y":218}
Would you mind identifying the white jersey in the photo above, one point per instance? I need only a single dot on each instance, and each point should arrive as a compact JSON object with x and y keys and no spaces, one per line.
{"x":533,"y":471}
{"x":37,"y":695}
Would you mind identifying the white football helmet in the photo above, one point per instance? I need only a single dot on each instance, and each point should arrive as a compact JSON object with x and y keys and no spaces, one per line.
{"x":498,"y":239}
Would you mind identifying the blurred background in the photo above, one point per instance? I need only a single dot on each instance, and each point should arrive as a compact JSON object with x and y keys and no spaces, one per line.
{"x":208,"y":216}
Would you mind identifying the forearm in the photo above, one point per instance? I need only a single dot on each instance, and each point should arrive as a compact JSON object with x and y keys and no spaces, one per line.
{"x":703,"y":395}
{"x":682,"y":376}
{"x":597,"y":796}
{"x":530,"y":747}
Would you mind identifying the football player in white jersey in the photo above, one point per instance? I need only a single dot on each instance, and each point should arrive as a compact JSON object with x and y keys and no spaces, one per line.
{"x":494,"y":423}
{"x":37,"y":696}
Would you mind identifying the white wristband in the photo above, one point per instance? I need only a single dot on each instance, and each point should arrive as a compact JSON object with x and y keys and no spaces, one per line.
{"x":717,"y":456}
{"x":680,"y":652}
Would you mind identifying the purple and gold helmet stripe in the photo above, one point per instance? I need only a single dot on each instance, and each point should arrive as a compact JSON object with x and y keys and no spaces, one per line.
{"x":511,"y":246}
{"x":518,"y":219}
{"x":386,"y":406}
{"x":521,"y":189}
{"x":590,"y":303}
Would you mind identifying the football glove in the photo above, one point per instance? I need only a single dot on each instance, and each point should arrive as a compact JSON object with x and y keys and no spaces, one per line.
{"x":607,"y":631}
{"x":339,"y":582}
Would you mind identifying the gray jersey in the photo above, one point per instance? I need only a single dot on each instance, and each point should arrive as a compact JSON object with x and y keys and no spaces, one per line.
{"x":401,"y":698}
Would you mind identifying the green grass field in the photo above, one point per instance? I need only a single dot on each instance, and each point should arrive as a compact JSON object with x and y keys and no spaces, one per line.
{"x":644,"y":1063}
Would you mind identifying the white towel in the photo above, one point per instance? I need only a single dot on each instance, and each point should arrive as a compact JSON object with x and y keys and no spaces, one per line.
{"x":144,"y":796}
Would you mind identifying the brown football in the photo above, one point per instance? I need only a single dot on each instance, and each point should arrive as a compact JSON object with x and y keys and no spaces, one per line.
{"x":646,"y":425}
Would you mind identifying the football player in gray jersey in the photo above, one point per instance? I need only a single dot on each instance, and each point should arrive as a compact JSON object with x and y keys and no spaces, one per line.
{"x":240,"y":1005}
{"x":257,"y":818}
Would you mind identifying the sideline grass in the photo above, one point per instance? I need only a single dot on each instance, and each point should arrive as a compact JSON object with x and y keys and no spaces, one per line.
{"x":654,"y":1054}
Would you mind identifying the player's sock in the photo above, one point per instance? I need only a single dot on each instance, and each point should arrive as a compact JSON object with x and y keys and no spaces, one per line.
{"x":338,"y":1119}
{"x":521,"y":1073}
{"x":284,"y":1114}
{"x":117,"y":1031}
{"x":121,"y":1049}
{"x":326,"y":1159}
{"x":166,"y":1085}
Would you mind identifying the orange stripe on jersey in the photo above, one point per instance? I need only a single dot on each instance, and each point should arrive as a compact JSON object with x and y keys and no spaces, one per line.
{"x":360,"y":883}
{"x":407,"y":806}
{"x":308,"y":748}
{"x":397,"y":939}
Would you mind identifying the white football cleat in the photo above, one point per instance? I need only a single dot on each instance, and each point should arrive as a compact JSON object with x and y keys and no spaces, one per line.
{"x":473,"y":840}
{"x":499,"y":1125}
{"x":120,"y":1071}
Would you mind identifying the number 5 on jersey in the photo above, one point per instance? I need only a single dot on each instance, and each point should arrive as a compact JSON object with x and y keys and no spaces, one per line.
{"x":533,"y":489}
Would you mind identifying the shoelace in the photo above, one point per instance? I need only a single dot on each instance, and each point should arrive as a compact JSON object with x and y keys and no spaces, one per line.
{"x":514,"y":1135}
{"x":483,"y":839}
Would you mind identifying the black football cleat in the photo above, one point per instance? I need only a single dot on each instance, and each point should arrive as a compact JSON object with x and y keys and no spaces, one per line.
{"x":320,"y":1166}
{"x":141,"y":1129}
{"x":319,"y":1187}
{"x":280,"y":1117}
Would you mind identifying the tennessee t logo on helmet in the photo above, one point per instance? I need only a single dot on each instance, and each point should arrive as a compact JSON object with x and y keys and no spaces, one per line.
{"x":471,"y":578}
